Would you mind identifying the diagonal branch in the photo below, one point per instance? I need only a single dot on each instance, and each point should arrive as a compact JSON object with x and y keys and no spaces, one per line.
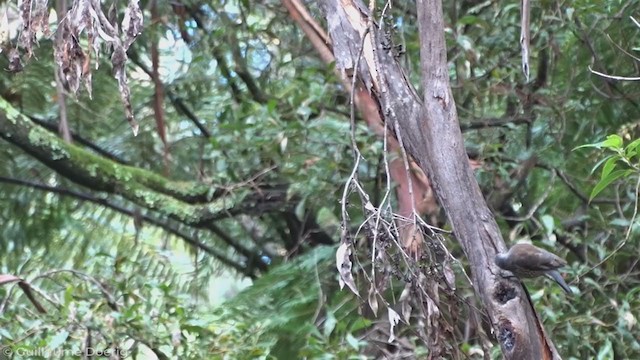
{"x":177,"y":102}
{"x":241,"y":67}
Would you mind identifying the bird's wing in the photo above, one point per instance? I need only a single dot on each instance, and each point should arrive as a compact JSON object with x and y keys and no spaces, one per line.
{"x":549,"y":261}
{"x":539,"y":260}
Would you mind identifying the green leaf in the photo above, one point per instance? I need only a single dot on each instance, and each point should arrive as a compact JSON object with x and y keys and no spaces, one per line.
{"x":633,"y":294}
{"x":606,"y":181}
{"x":329,"y":324}
{"x":468,"y":20}
{"x":597,"y":165}
{"x":351,"y":340}
{"x":58,"y":339}
{"x":608,"y":167}
{"x":606,"y":351}
{"x":68,"y":295}
{"x":597,"y":145}
{"x":359,"y":324}
{"x":300,"y":209}
{"x":619,"y":222}
{"x":5,"y":335}
{"x":548,"y":222}
{"x":632,"y":149}
{"x":613,"y":142}
{"x":271,"y":105}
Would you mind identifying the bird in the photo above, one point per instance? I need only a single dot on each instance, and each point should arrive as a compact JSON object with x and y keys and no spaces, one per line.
{"x":529,"y":261}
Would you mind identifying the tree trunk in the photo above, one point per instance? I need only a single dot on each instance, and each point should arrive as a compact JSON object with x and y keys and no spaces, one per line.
{"x":431,"y":134}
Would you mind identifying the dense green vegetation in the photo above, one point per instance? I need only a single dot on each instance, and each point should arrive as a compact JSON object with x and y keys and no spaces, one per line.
{"x":238,"y":171}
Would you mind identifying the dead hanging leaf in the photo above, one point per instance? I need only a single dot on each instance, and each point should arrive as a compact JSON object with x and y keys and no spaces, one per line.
{"x":412,"y":240}
{"x":344,"y":265}
{"x":118,"y":61}
{"x":433,"y":312}
{"x":35,"y":18}
{"x":131,"y":23}
{"x":69,"y":58}
{"x":373,"y":299}
{"x":26,"y":288}
{"x":40,"y":16}
{"x":406,"y":305}
{"x":85,"y":18}
{"x":369,"y":206}
{"x":4,"y":28}
{"x":630,"y":320}
{"x":28,"y":35}
{"x":449,"y":275}
{"x":394,"y":319}
{"x":131,"y":27}
{"x":525,"y":34}
{"x":15,"y":64}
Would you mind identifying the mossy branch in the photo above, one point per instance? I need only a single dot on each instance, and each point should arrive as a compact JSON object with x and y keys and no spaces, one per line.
{"x":190,"y":203}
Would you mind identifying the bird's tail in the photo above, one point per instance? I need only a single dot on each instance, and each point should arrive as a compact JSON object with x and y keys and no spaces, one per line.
{"x":555,"y":275}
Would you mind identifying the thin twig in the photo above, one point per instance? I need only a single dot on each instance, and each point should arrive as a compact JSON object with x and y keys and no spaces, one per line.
{"x":627,"y":235}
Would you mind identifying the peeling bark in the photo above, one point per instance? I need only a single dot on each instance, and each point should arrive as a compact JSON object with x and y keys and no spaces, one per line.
{"x":416,"y":197}
{"x":431,"y":134}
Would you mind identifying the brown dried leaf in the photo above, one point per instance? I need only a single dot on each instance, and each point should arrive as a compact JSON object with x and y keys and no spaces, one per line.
{"x":74,"y":64}
{"x":394,"y":319}
{"x":433,"y":312}
{"x":412,"y":240}
{"x":40,"y":17}
{"x":449,"y":275}
{"x":373,"y":299}
{"x":27,"y":38}
{"x":406,"y":305}
{"x":86,"y":74}
{"x":406,"y":310}
{"x":71,"y":59}
{"x":344,"y":265}
{"x":29,"y":293}
{"x":85,"y":18}
{"x":525,"y":34}
{"x":4,"y":29}
{"x":15,"y":64}
{"x":80,"y":17}
{"x":131,"y":23}
{"x":35,"y":18}
{"x":118,"y":61}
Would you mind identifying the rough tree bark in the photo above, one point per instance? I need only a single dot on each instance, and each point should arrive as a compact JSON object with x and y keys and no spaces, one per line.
{"x":431,"y":134}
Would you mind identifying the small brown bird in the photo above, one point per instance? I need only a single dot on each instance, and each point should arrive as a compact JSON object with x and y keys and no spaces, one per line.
{"x":528,"y":261}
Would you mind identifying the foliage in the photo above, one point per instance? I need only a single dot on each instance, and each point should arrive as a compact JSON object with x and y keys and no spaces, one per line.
{"x":113,"y":298}
{"x":291,"y":313}
{"x":249,"y":106}
{"x":622,"y":157}
{"x":272,"y":319}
